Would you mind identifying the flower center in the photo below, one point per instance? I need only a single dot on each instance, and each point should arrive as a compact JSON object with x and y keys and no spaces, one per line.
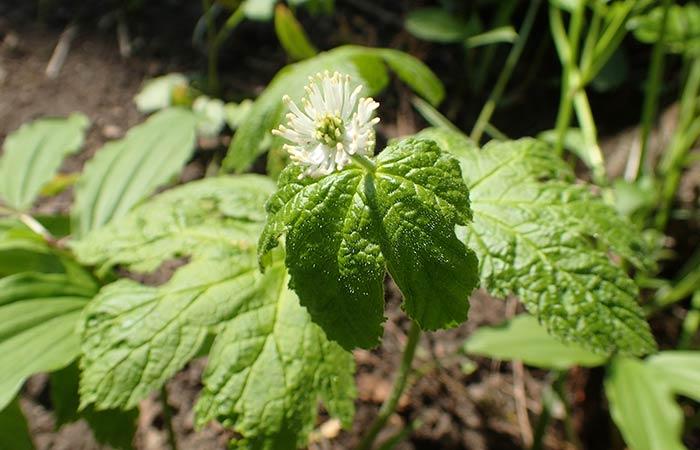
{"x":330,"y":130}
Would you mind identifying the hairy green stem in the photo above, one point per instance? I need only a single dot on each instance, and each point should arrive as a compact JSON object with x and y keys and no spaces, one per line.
{"x":389,"y":405}
{"x":365,"y":162}
{"x":506,"y":73}
{"x":651,"y":99}
{"x":168,"y":417}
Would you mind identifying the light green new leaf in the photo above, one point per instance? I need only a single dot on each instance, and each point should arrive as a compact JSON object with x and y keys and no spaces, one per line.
{"x":534,"y":233}
{"x":524,"y":339}
{"x":342,"y":229}
{"x":270,"y":366}
{"x":34,"y":153}
{"x":126,"y":171}
{"x":643,"y":407}
{"x":259,"y":9}
{"x":681,"y":370}
{"x":157,"y":93}
{"x":365,"y":65}
{"x":202,"y":219}
{"x":14,"y":432}
{"x":38,"y":317}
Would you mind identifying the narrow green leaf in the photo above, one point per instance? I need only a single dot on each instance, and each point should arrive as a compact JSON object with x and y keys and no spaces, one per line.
{"x":269,"y":368}
{"x":545,"y":239}
{"x":523,"y":338}
{"x":14,"y":432}
{"x":498,"y":35}
{"x":201,"y":219}
{"x":643,"y":407}
{"x":34,"y":153}
{"x":38,"y":316}
{"x":365,"y":65}
{"x":126,"y":171}
{"x":415,"y":74}
{"x":402,"y":215}
{"x":291,"y":35}
{"x":436,"y":25}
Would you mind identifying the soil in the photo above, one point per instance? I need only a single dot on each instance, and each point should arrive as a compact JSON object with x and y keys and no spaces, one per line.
{"x":454,"y":402}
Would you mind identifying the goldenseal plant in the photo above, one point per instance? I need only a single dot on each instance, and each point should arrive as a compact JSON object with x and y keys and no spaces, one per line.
{"x":334,"y":125}
{"x":348,"y":217}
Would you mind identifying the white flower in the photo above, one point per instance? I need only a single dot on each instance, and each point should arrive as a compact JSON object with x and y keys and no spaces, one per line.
{"x":334,"y":125}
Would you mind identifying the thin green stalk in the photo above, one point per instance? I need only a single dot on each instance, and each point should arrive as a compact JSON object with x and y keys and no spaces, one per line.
{"x":560,"y":388}
{"x":216,"y":39}
{"x":168,"y":418}
{"x":590,"y":136}
{"x":651,"y":97}
{"x":503,"y":15}
{"x":548,"y":397}
{"x":506,"y":73}
{"x":389,"y":405}
{"x":365,"y":162}
{"x":674,"y":160}
{"x":691,"y":323}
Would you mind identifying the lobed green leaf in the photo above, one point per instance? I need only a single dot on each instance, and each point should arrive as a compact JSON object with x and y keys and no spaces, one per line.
{"x":541,"y":237}
{"x":343,"y":229}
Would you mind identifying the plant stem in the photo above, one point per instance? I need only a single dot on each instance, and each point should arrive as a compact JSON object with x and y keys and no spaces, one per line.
{"x":168,"y":417}
{"x":365,"y":162}
{"x":560,"y":388}
{"x":389,"y":405}
{"x":651,"y":99}
{"x":502,"y":82}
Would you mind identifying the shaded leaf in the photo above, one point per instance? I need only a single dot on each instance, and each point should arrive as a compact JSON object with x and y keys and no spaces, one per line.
{"x":291,"y":35}
{"x":14,"y":433}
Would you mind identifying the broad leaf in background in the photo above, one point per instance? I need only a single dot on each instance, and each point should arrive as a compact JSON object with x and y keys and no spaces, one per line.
{"x":200,"y":219}
{"x":291,"y":35}
{"x":682,"y":33}
{"x":14,"y":433}
{"x":523,"y":338}
{"x":34,"y":153}
{"x":366,"y":65}
{"x":126,"y":171}
{"x":136,"y":337}
{"x":341,"y":230}
{"x":437,"y":25}
{"x":643,"y":406}
{"x":534,"y":233}
{"x":157,"y":93}
{"x":270,"y":366}
{"x":38,"y":317}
